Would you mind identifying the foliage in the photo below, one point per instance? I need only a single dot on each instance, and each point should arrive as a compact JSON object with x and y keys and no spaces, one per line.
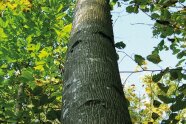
{"x":162,"y":87}
{"x":161,"y":102}
{"x":33,"y":38}
{"x":170,"y":25}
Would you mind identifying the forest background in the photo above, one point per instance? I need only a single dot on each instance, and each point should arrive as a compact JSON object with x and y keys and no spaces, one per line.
{"x":33,"y":43}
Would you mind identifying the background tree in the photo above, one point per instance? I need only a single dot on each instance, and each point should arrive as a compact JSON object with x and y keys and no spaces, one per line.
{"x":33,"y":37}
{"x":92,"y":86}
{"x":161,"y":102}
{"x":169,"y":25}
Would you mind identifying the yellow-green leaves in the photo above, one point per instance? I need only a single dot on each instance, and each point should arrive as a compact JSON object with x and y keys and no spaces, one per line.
{"x":33,"y":47}
{"x":2,"y":34}
{"x":64,"y":32}
{"x":31,"y":55}
{"x":29,"y":39}
{"x":43,"y":54}
{"x":67,"y":28}
{"x":46,"y":9}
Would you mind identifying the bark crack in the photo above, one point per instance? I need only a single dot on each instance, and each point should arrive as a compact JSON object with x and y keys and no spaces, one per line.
{"x":74,"y":45}
{"x":94,"y":103}
{"x":104,"y":35}
{"x":118,"y":90}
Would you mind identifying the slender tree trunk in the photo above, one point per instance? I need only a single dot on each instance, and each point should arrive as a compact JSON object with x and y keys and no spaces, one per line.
{"x":92,"y":90}
{"x":19,"y":100}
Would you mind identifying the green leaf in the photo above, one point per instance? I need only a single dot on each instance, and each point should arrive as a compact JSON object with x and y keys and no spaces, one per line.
{"x":161,"y":45}
{"x":143,"y":6}
{"x":179,"y":105}
{"x":37,"y":91}
{"x":27,"y":74}
{"x":52,"y":99}
{"x":157,"y":77}
{"x":165,"y":122}
{"x":60,"y":15}
{"x":182,"y":87}
{"x":67,"y":28}
{"x":130,"y":9}
{"x":120,"y":45}
{"x":180,"y":62}
{"x":60,"y":8}
{"x":35,"y":102}
{"x":156,"y":103}
{"x":176,"y":74}
{"x":51,"y":115}
{"x":46,"y":9}
{"x":181,"y":54}
{"x":155,"y":116}
{"x":136,"y":9}
{"x":139,"y":59}
{"x":163,"y":87}
{"x":173,"y":115}
{"x":155,"y":16}
{"x":182,"y":1}
{"x":43,"y":99}
{"x":166,"y":99}
{"x":1,"y":72}
{"x":155,"y":58}
{"x":174,"y":47}
{"x":180,"y":97}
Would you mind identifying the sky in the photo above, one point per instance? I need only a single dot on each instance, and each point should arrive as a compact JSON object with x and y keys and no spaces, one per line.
{"x":138,"y":37}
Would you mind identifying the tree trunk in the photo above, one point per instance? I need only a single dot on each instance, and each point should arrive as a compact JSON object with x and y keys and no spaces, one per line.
{"x":92,"y":90}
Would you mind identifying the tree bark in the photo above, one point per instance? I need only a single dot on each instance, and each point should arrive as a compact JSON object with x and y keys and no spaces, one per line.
{"x":92,"y":90}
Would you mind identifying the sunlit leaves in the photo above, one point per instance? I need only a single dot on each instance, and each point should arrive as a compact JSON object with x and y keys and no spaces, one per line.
{"x":67,"y":28}
{"x":43,"y":54}
{"x":46,"y":9}
{"x":39,"y":67}
{"x":2,"y":34}
{"x":161,"y":100}
{"x":33,"y":54}
{"x":23,"y":5}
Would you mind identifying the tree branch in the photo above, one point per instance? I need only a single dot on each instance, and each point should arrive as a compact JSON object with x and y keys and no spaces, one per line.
{"x":158,"y":70}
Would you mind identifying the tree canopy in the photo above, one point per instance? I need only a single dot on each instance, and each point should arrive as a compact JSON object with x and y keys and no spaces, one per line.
{"x":33,"y":39}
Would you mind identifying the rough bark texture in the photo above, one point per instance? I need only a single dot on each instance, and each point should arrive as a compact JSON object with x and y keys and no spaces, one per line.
{"x":92,"y":90}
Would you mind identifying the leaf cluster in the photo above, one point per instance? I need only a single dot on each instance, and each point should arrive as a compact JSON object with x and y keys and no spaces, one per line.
{"x":33,"y":43}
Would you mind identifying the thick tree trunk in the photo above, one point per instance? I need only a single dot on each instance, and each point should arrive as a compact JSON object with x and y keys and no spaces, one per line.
{"x":92,"y":90}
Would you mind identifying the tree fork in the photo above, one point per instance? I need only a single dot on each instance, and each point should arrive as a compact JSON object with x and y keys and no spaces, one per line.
{"x":92,"y":90}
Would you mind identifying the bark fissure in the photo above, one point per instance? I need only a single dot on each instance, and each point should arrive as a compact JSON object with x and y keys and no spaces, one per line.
{"x":105,"y":36}
{"x":94,"y":102}
{"x":75,"y":44}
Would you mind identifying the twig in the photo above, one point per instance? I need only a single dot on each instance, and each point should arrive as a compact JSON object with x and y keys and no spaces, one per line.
{"x":150,"y":70}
